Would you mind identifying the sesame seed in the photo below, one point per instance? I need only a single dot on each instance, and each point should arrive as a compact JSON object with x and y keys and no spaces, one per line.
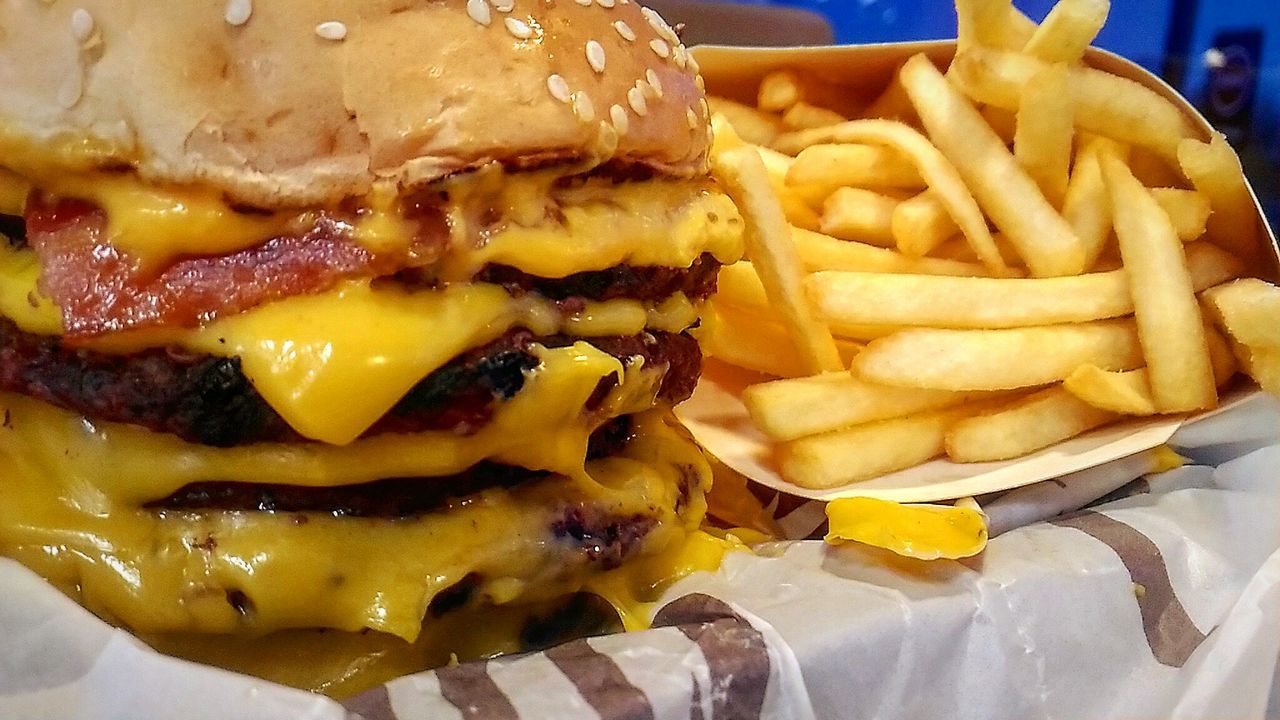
{"x":635,"y":98}
{"x":71,"y":89}
{"x":478,"y":10}
{"x":504,"y":6}
{"x":619,"y":118}
{"x":81,"y":24}
{"x":583,"y":108}
{"x":238,"y":12}
{"x":584,"y":3}
{"x":331,"y":30}
{"x":680,"y":55}
{"x":625,"y":31}
{"x":702,"y":105}
{"x":702,"y":84}
{"x":660,"y":47}
{"x":518,"y":28}
{"x":691,"y":118}
{"x":595,"y":56}
{"x":559,"y":88}
{"x":605,"y":3}
{"x":660,"y":26}
{"x":652,"y":77}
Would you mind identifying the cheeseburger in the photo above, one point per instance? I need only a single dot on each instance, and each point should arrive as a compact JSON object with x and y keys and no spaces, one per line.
{"x":340,"y":339}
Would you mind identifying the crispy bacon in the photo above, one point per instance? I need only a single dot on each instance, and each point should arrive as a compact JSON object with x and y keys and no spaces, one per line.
{"x":102,"y":290}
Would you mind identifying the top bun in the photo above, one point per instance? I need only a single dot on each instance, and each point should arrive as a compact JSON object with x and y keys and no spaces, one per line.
{"x":296,"y":102}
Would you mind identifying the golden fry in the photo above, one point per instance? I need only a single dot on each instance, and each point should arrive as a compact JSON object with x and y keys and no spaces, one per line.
{"x":1067,"y":31}
{"x":1127,"y":393}
{"x":1087,"y":206}
{"x":866,"y":451}
{"x":921,"y":224}
{"x":1215,"y":171}
{"x":1248,"y":309}
{"x":1042,"y":141}
{"x":819,"y":252}
{"x":768,"y":240}
{"x":1104,"y":104}
{"x":1168,"y":317}
{"x":941,"y":176}
{"x":971,"y":302}
{"x":1023,"y":427}
{"x":1010,"y":197}
{"x":858,"y":214}
{"x":794,"y":408}
{"x":856,"y":165}
{"x":794,"y":206}
{"x":965,"y":360}
{"x":753,"y":126}
{"x":744,"y":339}
{"x":802,"y":116}
{"x":1188,"y":210}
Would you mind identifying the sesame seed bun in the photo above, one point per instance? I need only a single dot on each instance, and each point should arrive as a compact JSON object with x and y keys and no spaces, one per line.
{"x":291,"y":102}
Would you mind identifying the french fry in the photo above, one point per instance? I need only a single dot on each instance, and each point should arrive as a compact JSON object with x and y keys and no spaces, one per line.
{"x":856,"y":165}
{"x":1068,"y":30}
{"x":768,"y":241}
{"x":1126,"y":393}
{"x":858,"y":214}
{"x":1001,"y":187}
{"x":994,"y":23}
{"x":966,"y":360}
{"x":1002,"y":122}
{"x":1188,"y":210}
{"x":739,"y":286}
{"x":1262,"y":364}
{"x":891,"y":104}
{"x":865,"y":451}
{"x":1168,"y":317}
{"x":743,"y":339}
{"x":1214,"y":170}
{"x":1104,"y":104}
{"x":957,"y":248}
{"x":1129,"y":392}
{"x":921,"y":224}
{"x":818,"y":251}
{"x":969,"y":302}
{"x":1153,"y":170}
{"x":1087,"y":206}
{"x":794,"y":408}
{"x":941,"y":176}
{"x":753,"y":126}
{"x":1025,"y":426}
{"x":1248,"y":309}
{"x":781,"y":90}
{"x":1042,"y":140}
{"x":802,"y":116}
{"x":1221,"y":356}
{"x":794,"y":206}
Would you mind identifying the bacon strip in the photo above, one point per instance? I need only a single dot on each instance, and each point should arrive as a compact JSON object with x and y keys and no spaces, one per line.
{"x":101,"y":290}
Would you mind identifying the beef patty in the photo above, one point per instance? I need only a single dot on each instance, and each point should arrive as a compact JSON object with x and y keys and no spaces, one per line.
{"x":208,"y":400}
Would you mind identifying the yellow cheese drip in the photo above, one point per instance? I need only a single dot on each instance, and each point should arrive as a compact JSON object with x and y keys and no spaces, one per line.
{"x":68,"y":509}
{"x":600,"y":225}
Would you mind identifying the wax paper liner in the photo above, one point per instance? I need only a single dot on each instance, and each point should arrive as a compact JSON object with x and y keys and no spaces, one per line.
{"x":1163,"y":602}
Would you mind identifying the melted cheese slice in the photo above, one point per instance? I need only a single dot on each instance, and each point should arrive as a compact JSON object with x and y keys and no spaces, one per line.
{"x":545,"y":230}
{"x":332,"y":364}
{"x":599,"y":225}
{"x":67,"y":515}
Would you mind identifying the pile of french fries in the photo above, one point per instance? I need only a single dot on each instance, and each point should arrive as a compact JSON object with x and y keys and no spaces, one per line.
{"x":990,"y":258}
